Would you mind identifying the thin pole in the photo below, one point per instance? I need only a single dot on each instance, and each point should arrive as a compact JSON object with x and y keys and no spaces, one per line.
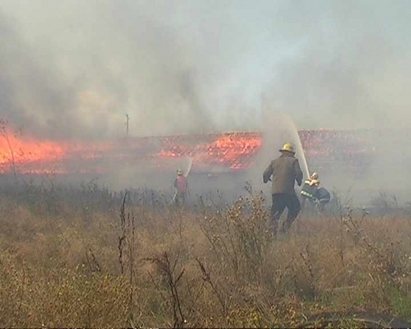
{"x":127,"y":123}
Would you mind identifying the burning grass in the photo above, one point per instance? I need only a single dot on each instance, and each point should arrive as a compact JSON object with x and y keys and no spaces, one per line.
{"x":87,"y":257}
{"x":231,"y":151}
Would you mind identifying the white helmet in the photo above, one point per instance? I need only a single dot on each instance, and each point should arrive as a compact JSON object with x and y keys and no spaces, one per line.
{"x":314,"y":175}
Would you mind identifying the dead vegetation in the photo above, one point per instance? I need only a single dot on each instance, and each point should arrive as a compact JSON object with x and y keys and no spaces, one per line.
{"x":90,"y":258}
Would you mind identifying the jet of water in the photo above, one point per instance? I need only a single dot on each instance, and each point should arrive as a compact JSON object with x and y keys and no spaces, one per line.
{"x":278,"y":128}
{"x":190,"y":163}
{"x":297,"y":141}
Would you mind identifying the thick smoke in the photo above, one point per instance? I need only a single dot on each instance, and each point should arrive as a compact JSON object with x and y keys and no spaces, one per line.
{"x":75,"y":68}
{"x":29,"y":90}
{"x":351,"y":69}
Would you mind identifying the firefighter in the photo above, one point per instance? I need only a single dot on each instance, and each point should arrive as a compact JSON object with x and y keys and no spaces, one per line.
{"x":309,"y":189}
{"x":323,"y":197}
{"x":181,"y":186}
{"x":284,"y":172}
{"x":316,"y":195}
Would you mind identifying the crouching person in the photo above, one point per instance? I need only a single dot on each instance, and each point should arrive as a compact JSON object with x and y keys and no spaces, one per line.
{"x":323,"y":197}
{"x":309,"y":189}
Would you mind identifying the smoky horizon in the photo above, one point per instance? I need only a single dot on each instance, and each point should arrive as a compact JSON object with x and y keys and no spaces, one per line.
{"x":74,"y":70}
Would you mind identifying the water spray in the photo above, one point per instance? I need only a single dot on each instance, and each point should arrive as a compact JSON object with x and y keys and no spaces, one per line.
{"x":287,"y":128}
{"x":190,"y":163}
{"x":299,"y":145}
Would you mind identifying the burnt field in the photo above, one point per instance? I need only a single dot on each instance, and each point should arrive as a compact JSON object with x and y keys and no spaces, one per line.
{"x":87,"y":256}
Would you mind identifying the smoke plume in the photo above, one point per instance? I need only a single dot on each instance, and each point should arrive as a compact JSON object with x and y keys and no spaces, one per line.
{"x":75,"y":68}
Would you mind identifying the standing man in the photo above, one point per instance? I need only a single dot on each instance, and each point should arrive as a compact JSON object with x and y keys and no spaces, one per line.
{"x":181,"y":186}
{"x":284,"y":172}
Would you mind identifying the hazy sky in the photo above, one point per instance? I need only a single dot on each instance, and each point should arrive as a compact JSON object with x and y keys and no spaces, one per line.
{"x":74,"y":68}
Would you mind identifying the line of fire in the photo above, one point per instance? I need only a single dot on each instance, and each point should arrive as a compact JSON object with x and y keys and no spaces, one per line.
{"x":211,"y":154}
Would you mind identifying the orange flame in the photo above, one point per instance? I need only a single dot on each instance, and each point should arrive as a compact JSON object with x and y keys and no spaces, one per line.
{"x":229,"y":150}
{"x":21,"y":150}
{"x":31,"y":155}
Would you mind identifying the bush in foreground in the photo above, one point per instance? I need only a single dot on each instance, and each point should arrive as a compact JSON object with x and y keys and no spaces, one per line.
{"x":99,"y":261}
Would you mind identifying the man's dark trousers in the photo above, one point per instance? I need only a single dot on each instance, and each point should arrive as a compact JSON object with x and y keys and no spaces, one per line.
{"x":280,"y":201}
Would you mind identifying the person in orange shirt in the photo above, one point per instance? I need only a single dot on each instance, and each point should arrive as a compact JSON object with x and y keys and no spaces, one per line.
{"x":181,"y":186}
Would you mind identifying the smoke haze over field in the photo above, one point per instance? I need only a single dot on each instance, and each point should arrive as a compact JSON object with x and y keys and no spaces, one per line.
{"x":75,"y":68}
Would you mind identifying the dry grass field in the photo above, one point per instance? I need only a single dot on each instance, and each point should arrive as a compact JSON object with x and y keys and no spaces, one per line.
{"x":86,"y":257}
